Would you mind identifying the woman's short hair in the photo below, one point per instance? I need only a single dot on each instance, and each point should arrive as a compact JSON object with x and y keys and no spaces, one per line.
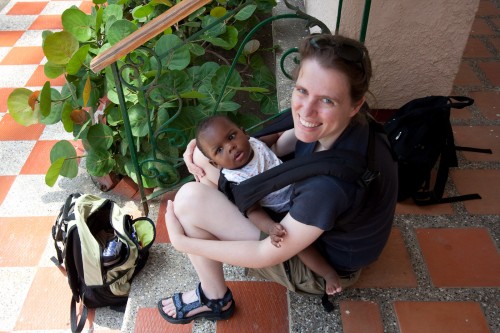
{"x":343,"y":54}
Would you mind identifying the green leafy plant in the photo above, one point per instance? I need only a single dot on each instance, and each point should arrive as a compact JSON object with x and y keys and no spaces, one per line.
{"x":167,"y":91}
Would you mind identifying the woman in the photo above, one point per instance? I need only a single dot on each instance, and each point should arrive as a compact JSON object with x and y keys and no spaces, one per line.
{"x":330,"y":89}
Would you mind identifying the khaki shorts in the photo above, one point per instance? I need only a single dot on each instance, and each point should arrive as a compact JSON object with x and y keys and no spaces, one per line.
{"x":300,"y":278}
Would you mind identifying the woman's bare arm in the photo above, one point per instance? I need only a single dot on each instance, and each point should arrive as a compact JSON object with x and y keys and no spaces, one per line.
{"x":285,"y":144}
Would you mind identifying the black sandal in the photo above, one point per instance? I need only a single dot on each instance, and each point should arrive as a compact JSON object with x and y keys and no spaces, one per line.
{"x":215,"y":305}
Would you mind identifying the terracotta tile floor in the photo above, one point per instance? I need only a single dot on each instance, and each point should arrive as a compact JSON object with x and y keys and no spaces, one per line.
{"x":440,"y":271}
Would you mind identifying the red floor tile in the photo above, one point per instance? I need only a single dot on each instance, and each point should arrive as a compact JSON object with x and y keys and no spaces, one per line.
{"x":149,"y":320}
{"x":492,"y":71}
{"x":392,"y":270}
{"x":9,"y":38}
{"x":38,"y":161}
{"x":38,"y":79}
{"x":47,"y":304}
{"x":480,"y":27}
{"x":478,"y":137}
{"x":487,"y":102}
{"x":4,"y":94}
{"x":44,"y":22}
{"x":260,"y":307}
{"x":475,"y":48}
{"x":487,"y":8}
{"x":27,"y":8}
{"x":26,"y":237}
{"x":5,"y":184}
{"x":466,"y":77}
{"x":360,"y":316}
{"x":484,"y":182}
{"x":86,"y":6}
{"x":12,"y":131}
{"x":25,"y":55}
{"x":440,"y":317}
{"x":460,"y":257}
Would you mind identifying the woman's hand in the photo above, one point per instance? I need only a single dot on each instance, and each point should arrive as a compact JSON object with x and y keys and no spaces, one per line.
{"x":175,"y":229}
{"x":195,"y":170}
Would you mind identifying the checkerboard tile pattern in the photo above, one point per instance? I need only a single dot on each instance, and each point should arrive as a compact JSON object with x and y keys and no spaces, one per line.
{"x":438,"y":273}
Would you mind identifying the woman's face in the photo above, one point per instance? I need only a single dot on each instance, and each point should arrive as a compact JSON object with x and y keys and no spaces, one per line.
{"x":321,"y":105}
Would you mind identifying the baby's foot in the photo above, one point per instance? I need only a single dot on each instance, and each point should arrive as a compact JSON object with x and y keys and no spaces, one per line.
{"x":332,"y":284}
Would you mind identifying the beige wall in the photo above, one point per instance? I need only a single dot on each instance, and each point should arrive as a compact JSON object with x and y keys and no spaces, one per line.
{"x":416,"y":46}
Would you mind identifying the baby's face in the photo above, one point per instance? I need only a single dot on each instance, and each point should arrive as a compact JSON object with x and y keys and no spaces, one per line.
{"x":226,"y":145}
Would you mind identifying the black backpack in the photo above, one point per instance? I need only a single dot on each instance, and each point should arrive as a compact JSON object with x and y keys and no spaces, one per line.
{"x":102,"y":249}
{"x":420,"y":133}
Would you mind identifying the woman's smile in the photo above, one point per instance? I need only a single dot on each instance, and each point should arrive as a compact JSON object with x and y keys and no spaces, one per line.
{"x":308,"y":124}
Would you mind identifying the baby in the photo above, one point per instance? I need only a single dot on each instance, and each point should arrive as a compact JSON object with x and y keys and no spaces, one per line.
{"x":239,"y":157}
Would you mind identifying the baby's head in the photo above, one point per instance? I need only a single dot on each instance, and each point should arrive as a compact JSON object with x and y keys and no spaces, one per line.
{"x":224,"y":143}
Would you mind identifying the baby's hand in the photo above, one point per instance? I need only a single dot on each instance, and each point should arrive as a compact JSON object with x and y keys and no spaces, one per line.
{"x":276,"y":233}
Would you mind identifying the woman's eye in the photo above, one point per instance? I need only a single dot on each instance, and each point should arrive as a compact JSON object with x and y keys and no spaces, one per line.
{"x":327,"y":101}
{"x":232,"y":136}
{"x":218,"y":150}
{"x":300,"y":90}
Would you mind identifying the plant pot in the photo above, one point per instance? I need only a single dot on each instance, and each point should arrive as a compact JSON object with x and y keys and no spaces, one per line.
{"x":106,"y":183}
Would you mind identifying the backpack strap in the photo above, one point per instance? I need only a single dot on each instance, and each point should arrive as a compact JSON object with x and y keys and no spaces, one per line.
{"x":341,"y":164}
{"x":77,"y":325}
{"x":448,"y":159}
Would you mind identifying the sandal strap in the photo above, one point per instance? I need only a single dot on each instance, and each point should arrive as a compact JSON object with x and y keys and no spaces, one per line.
{"x":182,"y":308}
{"x":216,"y":305}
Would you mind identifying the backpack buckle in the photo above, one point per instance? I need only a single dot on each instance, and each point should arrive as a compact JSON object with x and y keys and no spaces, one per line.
{"x":367,"y":177}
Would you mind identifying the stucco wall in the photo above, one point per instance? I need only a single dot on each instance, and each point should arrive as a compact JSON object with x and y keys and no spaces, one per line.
{"x":415,"y":46}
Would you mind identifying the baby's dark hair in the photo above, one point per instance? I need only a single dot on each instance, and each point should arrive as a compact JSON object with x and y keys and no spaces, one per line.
{"x":203,"y":125}
{"x":343,"y":54}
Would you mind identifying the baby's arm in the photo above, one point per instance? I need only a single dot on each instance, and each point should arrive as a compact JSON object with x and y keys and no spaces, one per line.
{"x":258,"y":216}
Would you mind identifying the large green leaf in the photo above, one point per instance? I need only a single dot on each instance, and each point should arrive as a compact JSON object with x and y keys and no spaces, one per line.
{"x":59,"y":47}
{"x":201,"y":75}
{"x":112,"y":10}
{"x":19,"y":109}
{"x":77,"y":60}
{"x":114,"y":116}
{"x":65,"y":117}
{"x":227,"y":40}
{"x":119,"y":30}
{"x":245,"y":13}
{"x":65,"y":150}
{"x":45,"y":99}
{"x":138,"y":120}
{"x":52,"y":70}
{"x":218,"y":12}
{"x":77,"y":23}
{"x":173,"y":53}
{"x":140,"y":12}
{"x":54,"y":171}
{"x":55,"y":108}
{"x":100,"y":136}
{"x":175,"y":83}
{"x":99,"y":163}
{"x":216,"y":30}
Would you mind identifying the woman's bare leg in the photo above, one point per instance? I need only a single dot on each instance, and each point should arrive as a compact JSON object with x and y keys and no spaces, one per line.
{"x":206,"y":213}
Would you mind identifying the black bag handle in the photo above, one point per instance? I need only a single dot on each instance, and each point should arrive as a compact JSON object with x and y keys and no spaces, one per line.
{"x":463,"y":101}
{"x":77,"y":325}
